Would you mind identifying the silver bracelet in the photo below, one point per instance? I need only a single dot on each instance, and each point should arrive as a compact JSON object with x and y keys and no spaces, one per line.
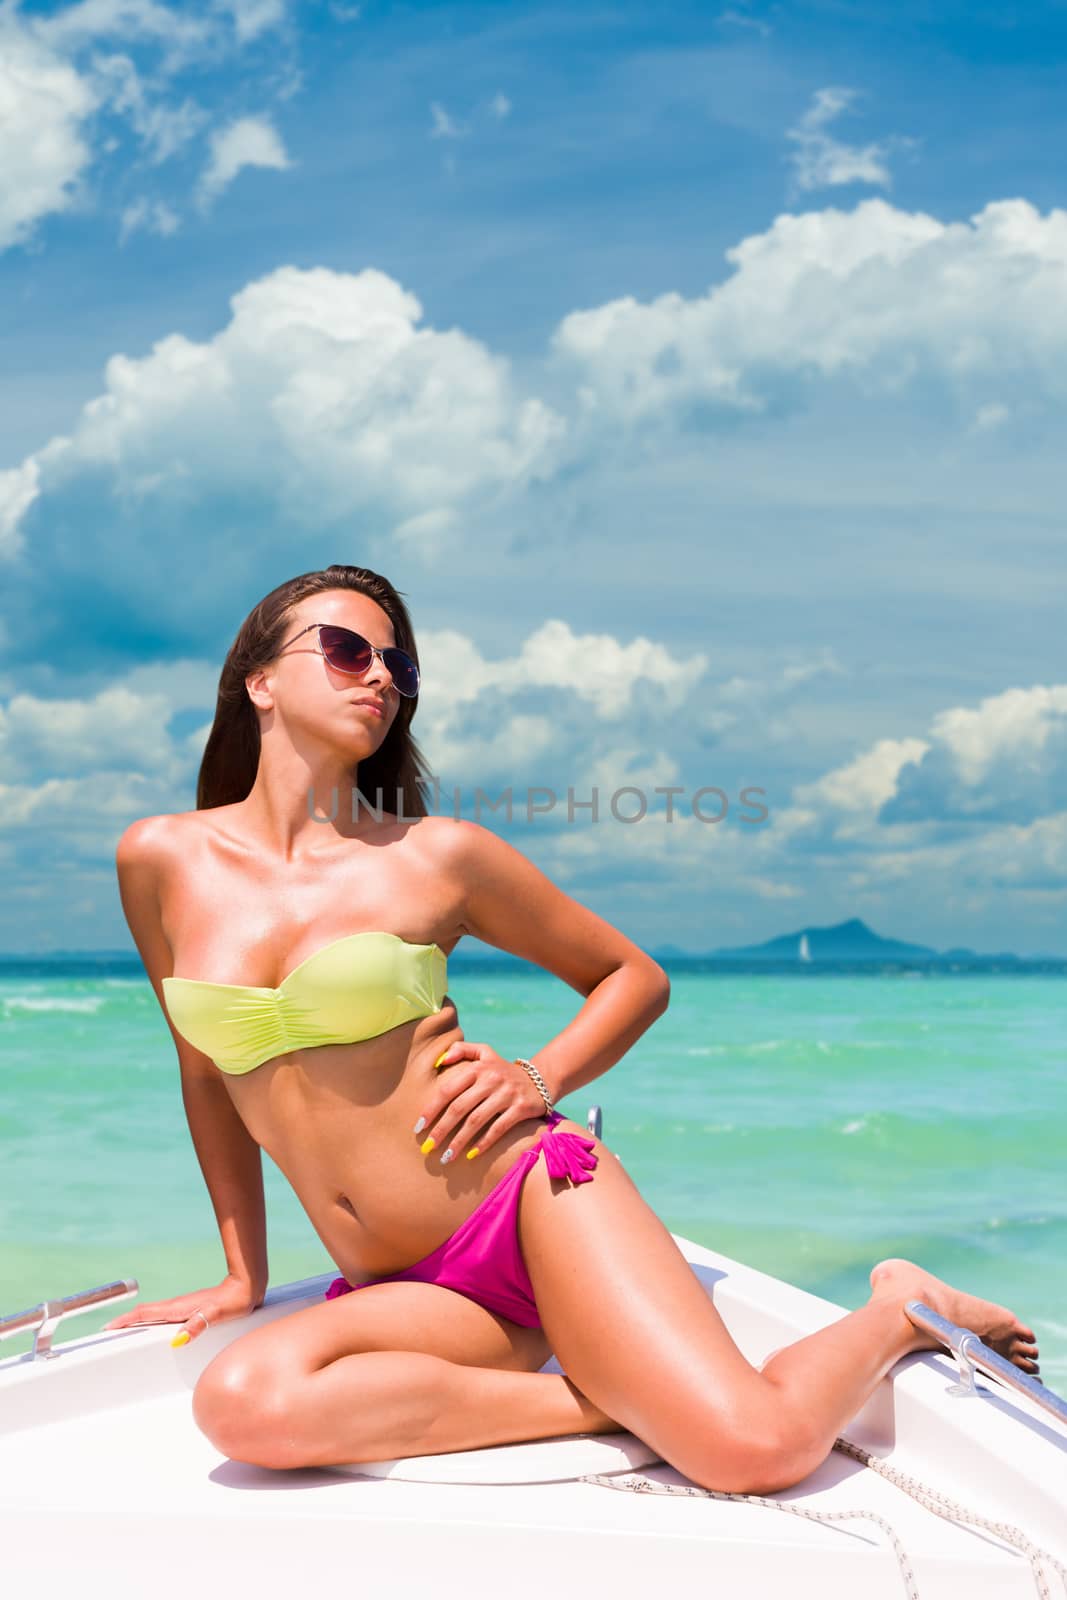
{"x":539,"y":1082}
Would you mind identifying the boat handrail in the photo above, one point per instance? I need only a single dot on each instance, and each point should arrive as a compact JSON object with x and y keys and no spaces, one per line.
{"x":47,"y":1316}
{"x":973,"y":1354}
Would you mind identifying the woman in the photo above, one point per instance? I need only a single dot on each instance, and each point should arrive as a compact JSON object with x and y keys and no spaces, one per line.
{"x":297,"y":943}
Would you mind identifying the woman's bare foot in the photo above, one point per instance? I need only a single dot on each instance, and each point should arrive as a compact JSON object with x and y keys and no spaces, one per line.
{"x":995,"y":1325}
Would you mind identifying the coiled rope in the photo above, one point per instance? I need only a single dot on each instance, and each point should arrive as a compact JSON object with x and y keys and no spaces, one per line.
{"x":932,"y":1499}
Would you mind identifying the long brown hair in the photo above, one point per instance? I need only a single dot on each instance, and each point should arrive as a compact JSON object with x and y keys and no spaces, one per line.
{"x":393,"y":776}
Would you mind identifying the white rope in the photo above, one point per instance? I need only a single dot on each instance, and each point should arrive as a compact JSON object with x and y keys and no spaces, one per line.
{"x":942,"y":1506}
{"x":934,"y":1501}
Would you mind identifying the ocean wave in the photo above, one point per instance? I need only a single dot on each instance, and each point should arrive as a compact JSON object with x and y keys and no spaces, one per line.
{"x":28,"y":1002}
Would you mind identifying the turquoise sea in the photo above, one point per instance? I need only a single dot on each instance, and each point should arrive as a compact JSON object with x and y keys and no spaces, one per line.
{"x":808,"y":1124}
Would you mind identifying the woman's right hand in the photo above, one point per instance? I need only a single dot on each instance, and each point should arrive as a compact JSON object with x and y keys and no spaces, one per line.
{"x":226,"y":1300}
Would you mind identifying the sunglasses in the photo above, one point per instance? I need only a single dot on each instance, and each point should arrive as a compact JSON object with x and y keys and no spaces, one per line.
{"x":350,"y":652}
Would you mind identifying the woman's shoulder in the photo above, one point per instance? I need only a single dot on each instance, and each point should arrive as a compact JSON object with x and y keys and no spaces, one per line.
{"x":150,"y":838}
{"x":470,"y":850}
{"x":453,"y":839}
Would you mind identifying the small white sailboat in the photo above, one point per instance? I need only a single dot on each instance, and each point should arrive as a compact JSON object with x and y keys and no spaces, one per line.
{"x":937,"y":1487}
{"x":804,"y":951}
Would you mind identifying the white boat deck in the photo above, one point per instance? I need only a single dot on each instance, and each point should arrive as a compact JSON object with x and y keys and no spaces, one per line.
{"x":105,"y":1475}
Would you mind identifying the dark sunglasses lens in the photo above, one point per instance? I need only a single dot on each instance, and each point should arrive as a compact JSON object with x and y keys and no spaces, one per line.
{"x":403,"y":671}
{"x":345,"y":650}
{"x":350,"y":652}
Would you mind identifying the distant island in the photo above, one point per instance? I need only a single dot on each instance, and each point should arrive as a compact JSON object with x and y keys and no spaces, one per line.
{"x":850,"y":943}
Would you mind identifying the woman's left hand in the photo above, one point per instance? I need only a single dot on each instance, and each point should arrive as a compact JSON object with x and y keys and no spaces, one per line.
{"x":472,"y":1105}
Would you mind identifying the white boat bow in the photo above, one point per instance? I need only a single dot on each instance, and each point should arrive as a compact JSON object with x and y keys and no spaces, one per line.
{"x":104,"y":1472}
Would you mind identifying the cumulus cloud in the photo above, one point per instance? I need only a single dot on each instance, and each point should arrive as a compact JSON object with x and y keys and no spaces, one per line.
{"x":91,"y":763}
{"x":544,"y":723}
{"x":44,"y":149}
{"x":19,"y":487}
{"x":592,"y":668}
{"x":865,"y":784}
{"x":322,"y":392}
{"x":880,"y":296}
{"x":820,"y":161}
{"x":1002,"y":761}
{"x":246,"y":142}
{"x":114,"y":729}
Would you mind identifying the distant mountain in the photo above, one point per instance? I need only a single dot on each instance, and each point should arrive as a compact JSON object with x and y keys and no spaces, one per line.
{"x":845,"y":941}
{"x":851,"y":941}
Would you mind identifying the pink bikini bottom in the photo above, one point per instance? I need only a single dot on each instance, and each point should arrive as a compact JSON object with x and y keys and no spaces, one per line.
{"x":482,"y":1259}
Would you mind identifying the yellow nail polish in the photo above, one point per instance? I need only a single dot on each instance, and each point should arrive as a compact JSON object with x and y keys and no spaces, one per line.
{"x":472,"y":1153}
{"x":427,"y":1145}
{"x":440,"y":1058}
{"x":179,"y":1338}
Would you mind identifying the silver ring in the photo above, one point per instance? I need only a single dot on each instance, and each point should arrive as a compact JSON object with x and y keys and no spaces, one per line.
{"x":201,"y":1314}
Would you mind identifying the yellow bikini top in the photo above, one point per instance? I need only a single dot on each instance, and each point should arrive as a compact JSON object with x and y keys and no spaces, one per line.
{"x":352,"y":989}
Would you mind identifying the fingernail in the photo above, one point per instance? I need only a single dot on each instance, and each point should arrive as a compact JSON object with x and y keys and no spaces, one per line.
{"x":427,"y":1145}
{"x":449,"y":1155}
{"x":419,"y":1125}
{"x":179,"y":1338}
{"x":472,"y":1153}
{"x":441,"y":1057}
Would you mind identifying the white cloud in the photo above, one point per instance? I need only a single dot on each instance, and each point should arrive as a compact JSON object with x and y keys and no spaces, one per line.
{"x":475,"y":728}
{"x":884,"y":296}
{"x":739,"y":20}
{"x":1018,"y":725}
{"x":468,"y":759}
{"x":253,"y":17}
{"x":444,"y":126}
{"x":19,"y":488}
{"x":500,"y":106}
{"x":865,"y":784}
{"x":321,"y":391}
{"x":427,"y":533}
{"x":163,"y":129}
{"x":590,"y":667}
{"x":60,"y":78}
{"x":67,"y":738}
{"x":821,"y":161}
{"x":247,"y":142}
{"x":1002,"y":761}
{"x":780,"y":681}
{"x":44,"y":151}
{"x":178,"y":29}
{"x":151,"y":216}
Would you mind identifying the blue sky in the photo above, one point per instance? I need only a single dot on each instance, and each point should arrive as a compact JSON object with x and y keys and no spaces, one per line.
{"x":695,"y":371}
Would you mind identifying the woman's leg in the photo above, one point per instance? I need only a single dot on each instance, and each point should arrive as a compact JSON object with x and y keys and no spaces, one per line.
{"x":633,"y":1327}
{"x":395,"y":1369}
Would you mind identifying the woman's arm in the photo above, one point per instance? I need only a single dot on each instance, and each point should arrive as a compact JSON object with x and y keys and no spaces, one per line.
{"x":510,"y":903}
{"x":229,"y":1157}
